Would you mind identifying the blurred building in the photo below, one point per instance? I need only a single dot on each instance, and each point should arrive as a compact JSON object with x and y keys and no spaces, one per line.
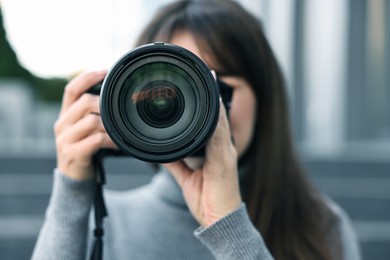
{"x":335,"y":55}
{"x":26,"y":125}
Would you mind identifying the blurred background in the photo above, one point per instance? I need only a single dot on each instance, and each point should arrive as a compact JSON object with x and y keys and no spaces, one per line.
{"x":335,"y":55}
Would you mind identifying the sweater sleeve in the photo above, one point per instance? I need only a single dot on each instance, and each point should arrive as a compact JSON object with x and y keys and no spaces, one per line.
{"x":64,"y":231}
{"x":234,"y":237}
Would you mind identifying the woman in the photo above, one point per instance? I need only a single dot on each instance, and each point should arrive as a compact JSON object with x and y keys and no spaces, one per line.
{"x":251,"y":198}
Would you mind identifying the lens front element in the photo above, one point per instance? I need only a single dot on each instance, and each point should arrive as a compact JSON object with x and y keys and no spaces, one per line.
{"x":160,"y":105}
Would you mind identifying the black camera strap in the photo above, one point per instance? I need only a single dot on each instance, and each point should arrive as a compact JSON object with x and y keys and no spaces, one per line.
{"x":99,"y":209}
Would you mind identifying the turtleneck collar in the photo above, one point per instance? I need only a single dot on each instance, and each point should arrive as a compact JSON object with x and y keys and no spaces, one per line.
{"x":167,"y":188}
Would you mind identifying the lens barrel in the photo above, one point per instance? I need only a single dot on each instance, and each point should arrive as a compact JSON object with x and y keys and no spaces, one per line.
{"x":159,"y":103}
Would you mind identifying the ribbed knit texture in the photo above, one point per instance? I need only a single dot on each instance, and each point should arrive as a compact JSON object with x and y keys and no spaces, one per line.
{"x":64,"y":233}
{"x":150,"y":222}
{"x":226,"y":238}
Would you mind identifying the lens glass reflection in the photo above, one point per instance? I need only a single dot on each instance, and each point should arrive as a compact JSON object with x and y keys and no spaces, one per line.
{"x":162,"y":104}
{"x":160,"y":101}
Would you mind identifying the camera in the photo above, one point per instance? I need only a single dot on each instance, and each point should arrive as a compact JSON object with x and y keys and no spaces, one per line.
{"x":160,"y":103}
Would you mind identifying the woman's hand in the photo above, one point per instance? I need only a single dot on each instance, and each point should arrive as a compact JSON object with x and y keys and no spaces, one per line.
{"x":79,"y":130}
{"x":212,"y":190}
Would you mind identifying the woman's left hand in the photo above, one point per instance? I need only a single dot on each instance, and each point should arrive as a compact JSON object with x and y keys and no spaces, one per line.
{"x":212,"y":190}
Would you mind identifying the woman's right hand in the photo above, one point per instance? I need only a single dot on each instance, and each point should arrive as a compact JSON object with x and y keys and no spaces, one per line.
{"x":79,"y":130}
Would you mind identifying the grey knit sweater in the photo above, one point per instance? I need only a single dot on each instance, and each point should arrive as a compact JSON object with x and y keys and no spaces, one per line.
{"x":153,"y":222}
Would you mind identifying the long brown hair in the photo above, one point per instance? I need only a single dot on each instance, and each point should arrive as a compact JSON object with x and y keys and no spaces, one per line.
{"x":284,"y":206}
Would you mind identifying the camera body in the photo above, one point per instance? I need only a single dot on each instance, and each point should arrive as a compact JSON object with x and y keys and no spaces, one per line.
{"x":160,"y":103}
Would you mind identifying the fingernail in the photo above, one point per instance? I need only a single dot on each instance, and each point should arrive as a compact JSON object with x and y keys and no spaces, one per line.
{"x":214,"y":74}
{"x":102,"y":72}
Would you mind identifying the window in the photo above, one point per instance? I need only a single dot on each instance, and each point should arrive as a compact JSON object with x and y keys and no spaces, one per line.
{"x":369,"y":77}
{"x":335,"y":55}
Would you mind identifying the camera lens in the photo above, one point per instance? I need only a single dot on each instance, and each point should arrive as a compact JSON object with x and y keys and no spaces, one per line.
{"x":159,"y":103}
{"x":165,"y":104}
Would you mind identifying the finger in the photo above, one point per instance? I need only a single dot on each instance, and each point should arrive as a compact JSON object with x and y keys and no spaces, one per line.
{"x":180,"y":171}
{"x":222,"y":134}
{"x":85,"y":105}
{"x":214,"y":74}
{"x":80,"y":85}
{"x":92,"y":143}
{"x":220,"y":146}
{"x":84,"y":127}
